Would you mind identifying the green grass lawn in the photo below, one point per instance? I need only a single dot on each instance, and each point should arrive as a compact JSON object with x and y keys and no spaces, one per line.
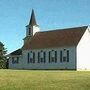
{"x":44,"y":80}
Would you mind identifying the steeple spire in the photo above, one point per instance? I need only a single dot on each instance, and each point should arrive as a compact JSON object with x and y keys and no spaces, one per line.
{"x":32,"y":27}
{"x":32,"y":19}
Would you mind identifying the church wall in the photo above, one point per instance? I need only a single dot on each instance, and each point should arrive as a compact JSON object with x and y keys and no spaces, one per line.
{"x":83,"y":52}
{"x":71,"y":64}
{"x":15,"y":62}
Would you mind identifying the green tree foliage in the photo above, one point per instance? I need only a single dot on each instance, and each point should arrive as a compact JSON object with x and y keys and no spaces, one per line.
{"x":3,"y":59}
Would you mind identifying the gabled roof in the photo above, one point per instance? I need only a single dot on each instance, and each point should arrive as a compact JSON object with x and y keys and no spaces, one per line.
{"x":17,"y":52}
{"x":55,"y":38}
{"x":32,"y":19}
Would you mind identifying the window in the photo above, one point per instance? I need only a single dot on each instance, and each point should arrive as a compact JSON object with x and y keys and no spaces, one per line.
{"x":41,"y":57}
{"x":44,"y":57}
{"x":31,"y":60}
{"x":64,"y":56}
{"x":12,"y":60}
{"x":52,"y":56}
{"x":52,"y":59}
{"x":55,"y":56}
{"x":60,"y":56}
{"x":38,"y":57}
{"x":33,"y":57}
{"x":49,"y":56}
{"x":28,"y":57}
{"x":64,"y":59}
{"x":29,"y":31}
{"x":67,"y":55}
{"x":41,"y":60}
{"x":15,"y":60}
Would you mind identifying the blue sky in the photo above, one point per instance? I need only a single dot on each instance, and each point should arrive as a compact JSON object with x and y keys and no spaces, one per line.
{"x":50,"y":14}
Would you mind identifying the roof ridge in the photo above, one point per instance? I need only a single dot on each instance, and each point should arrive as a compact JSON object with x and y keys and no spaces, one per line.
{"x":63,"y":29}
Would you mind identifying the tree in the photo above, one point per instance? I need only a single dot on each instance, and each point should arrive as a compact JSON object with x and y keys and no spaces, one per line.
{"x":3,"y":59}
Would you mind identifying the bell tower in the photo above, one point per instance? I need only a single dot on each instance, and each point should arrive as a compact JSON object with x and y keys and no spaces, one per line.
{"x":32,"y":27}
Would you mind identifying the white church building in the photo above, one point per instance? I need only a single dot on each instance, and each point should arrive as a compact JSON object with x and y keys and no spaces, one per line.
{"x":55,"y":49}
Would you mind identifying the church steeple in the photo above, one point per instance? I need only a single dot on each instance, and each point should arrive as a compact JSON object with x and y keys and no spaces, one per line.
{"x":32,"y":27}
{"x":32,"y":19}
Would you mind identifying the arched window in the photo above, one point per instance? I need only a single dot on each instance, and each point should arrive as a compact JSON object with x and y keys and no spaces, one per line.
{"x":15,"y":60}
{"x":31,"y":57}
{"x":52,"y":56}
{"x":41,"y":56}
